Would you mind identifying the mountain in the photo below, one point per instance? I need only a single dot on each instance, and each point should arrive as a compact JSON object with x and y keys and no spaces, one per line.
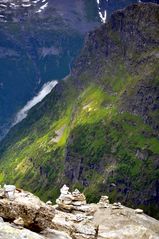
{"x":38,"y":42}
{"x":39,"y":39}
{"x":111,"y":5}
{"x":98,"y":129}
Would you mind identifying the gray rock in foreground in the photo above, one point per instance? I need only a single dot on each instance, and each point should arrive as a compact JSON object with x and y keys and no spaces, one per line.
{"x":71,"y":218}
{"x":36,"y":215}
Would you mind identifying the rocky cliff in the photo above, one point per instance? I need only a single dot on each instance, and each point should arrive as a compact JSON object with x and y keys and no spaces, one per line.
{"x":22,"y":215}
{"x":98,"y":129}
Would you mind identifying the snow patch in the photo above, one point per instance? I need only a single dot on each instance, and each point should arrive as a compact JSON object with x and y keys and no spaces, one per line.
{"x":42,"y":7}
{"x":102,"y":15}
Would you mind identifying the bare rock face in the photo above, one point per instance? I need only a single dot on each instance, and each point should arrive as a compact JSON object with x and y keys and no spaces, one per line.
{"x":7,"y":231}
{"x":71,"y":218}
{"x":108,"y":221}
{"x":27,"y":209}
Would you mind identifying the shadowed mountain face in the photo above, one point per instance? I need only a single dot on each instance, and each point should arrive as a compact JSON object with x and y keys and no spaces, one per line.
{"x":112,"y":5}
{"x":98,"y":129}
{"x":39,"y":40}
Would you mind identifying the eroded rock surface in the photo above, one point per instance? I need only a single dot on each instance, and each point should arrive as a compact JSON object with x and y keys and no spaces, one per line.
{"x":71,"y":218}
{"x":106,"y":221}
{"x":28,"y":208}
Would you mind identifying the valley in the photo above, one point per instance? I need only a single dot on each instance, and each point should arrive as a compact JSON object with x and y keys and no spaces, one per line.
{"x":98,"y":129}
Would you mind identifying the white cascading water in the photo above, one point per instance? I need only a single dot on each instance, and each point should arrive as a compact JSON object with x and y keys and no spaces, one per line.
{"x":46,"y":89}
{"x":102,"y":15}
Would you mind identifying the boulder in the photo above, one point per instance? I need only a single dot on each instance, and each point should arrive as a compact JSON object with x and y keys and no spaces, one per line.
{"x":77,"y":196}
{"x":7,"y":231}
{"x":9,"y":191}
{"x":35,"y":214}
{"x":139,"y":211}
{"x":88,"y":209}
{"x":64,"y":190}
{"x":63,"y":221}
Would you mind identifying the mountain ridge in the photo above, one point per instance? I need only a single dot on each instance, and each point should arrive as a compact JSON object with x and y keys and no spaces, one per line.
{"x":88,"y":136}
{"x":28,"y":58}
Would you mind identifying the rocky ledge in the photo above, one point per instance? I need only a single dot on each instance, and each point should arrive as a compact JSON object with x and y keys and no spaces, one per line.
{"x":24,"y":215}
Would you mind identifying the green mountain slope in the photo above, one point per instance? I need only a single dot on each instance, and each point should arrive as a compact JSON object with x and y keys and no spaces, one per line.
{"x":98,"y":129}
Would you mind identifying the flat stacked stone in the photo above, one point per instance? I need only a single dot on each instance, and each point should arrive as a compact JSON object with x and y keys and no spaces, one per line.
{"x":78,"y":198}
{"x":117,"y":205}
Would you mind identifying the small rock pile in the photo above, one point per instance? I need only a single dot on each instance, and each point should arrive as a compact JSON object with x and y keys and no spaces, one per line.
{"x":117,"y":205}
{"x":73,"y":215}
{"x":71,"y":201}
{"x":104,"y":202}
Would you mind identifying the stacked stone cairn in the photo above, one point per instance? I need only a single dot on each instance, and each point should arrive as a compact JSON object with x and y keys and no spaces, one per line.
{"x":104,"y":202}
{"x":117,"y":205}
{"x":70,"y":201}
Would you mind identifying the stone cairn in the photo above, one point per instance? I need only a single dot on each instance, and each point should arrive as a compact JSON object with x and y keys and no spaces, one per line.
{"x":104,"y":202}
{"x":117,"y":205}
{"x":70,"y":201}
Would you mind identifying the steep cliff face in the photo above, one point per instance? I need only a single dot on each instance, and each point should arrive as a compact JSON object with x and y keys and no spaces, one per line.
{"x":98,"y":129}
{"x":38,"y":42}
{"x":121,"y":58}
{"x":125,"y":41}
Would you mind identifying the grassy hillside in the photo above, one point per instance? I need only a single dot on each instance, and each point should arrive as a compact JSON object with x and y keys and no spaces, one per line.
{"x":98,"y":129}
